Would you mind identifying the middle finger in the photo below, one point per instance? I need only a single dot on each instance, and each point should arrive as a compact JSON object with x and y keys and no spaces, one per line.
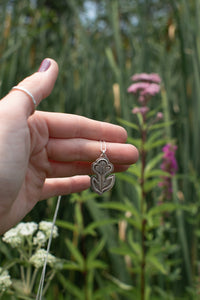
{"x":77,"y":149}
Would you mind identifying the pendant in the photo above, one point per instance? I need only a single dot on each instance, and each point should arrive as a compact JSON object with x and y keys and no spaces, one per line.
{"x":102,"y":181}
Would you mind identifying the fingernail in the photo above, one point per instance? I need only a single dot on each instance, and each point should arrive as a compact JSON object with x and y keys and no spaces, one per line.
{"x":44,"y":65}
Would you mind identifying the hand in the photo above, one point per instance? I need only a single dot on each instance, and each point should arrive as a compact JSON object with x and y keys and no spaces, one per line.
{"x":44,"y":154}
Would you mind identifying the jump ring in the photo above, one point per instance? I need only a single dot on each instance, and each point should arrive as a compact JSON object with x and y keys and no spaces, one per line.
{"x":103,"y":146}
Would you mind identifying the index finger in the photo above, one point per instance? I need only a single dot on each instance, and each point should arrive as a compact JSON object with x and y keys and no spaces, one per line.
{"x":62,"y":125}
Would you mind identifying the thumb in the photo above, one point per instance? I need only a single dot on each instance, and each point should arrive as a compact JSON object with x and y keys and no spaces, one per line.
{"x":39,"y":85}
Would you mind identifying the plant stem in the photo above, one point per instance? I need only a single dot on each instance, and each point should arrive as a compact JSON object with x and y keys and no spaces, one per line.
{"x":33,"y":279}
{"x":28,"y":279}
{"x":143,"y":230}
{"x":48,"y":282}
{"x":143,"y":262}
{"x":23,"y":275}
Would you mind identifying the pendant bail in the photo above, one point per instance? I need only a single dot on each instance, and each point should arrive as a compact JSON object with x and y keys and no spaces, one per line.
{"x":103,"y":147}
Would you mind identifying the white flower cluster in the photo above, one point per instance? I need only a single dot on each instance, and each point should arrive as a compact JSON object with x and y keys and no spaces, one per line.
{"x":39,"y":257}
{"x":15,"y":236}
{"x":40,"y":238}
{"x":27,"y":229}
{"x":23,"y":237}
{"x":44,"y":232}
{"x":5,"y":281}
{"x":46,"y":228}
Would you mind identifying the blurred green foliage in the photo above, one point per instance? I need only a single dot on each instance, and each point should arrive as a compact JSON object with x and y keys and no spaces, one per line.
{"x":98,"y":46}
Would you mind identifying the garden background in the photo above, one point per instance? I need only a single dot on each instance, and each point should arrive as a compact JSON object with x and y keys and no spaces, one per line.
{"x":99,"y":45}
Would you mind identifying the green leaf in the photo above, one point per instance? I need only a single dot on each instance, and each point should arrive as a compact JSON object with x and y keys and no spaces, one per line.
{"x":70,"y":265}
{"x":87,"y":195}
{"x":125,"y":250}
{"x":96,"y":264}
{"x":110,"y":234}
{"x":154,"y":136}
{"x":90,"y":229}
{"x":105,"y":292}
{"x":169,"y":207}
{"x":135,"y":142}
{"x":154,"y":262}
{"x":149,"y":185}
{"x":83,"y":196}
{"x":135,"y":169}
{"x":66,"y":225}
{"x":164,"y":207}
{"x":75,"y":253}
{"x":149,"y":146}
{"x":135,"y":222}
{"x":134,"y":245}
{"x":112,"y":287}
{"x":70,"y":287}
{"x":156,"y":173}
{"x":140,"y":120}
{"x":121,"y":207}
{"x":154,"y":249}
{"x":128,"y":124}
{"x":96,"y":250}
{"x":127,"y":178}
{"x":160,"y":125}
{"x":153,"y":162}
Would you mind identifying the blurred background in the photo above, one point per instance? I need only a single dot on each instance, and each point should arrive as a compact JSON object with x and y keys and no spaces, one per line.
{"x":99,"y":45}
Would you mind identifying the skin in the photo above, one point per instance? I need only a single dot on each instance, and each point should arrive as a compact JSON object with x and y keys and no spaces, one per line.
{"x":45,"y":154}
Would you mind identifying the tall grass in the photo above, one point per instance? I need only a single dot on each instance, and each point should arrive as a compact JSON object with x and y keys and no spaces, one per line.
{"x":96,"y":58}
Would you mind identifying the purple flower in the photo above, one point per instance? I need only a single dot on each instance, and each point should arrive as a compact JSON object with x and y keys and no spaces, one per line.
{"x":137,"y":87}
{"x":153,"y":77}
{"x":169,"y":161}
{"x":140,"y":110}
{"x":147,"y":85}
{"x":144,"y":88}
{"x":159,"y":116}
{"x":151,"y":90}
{"x":170,"y":166}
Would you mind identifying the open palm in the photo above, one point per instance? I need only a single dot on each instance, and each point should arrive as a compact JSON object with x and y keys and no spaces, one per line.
{"x":45,"y":154}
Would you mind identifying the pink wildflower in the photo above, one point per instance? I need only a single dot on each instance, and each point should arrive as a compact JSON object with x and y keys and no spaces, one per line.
{"x":159,"y":116}
{"x":137,"y":87}
{"x":151,"y":90}
{"x":147,"y":85}
{"x":153,"y":77}
{"x":170,"y":166}
{"x":146,"y":91}
{"x":140,"y":110}
{"x":169,"y":161}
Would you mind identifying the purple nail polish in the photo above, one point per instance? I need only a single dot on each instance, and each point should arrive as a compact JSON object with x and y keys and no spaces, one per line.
{"x":44,"y":65}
